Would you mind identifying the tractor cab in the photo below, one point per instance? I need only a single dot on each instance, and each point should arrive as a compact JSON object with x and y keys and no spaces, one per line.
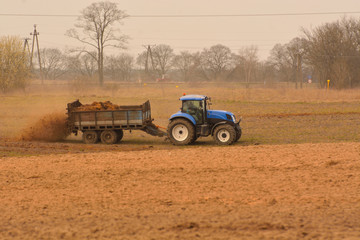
{"x":195,"y":106}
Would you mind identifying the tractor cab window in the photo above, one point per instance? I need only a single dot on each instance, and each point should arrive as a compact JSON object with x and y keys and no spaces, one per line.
{"x":195,"y":109}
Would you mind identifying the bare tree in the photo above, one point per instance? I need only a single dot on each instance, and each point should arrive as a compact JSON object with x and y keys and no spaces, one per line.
{"x":120,"y":67}
{"x":287,"y":60}
{"x":282,"y":62}
{"x":216,"y":61}
{"x":188,"y":64}
{"x":143,"y":61}
{"x":53,"y":64}
{"x":333,"y":52}
{"x":295,"y":51}
{"x":82,"y":64}
{"x":163,"y":55}
{"x":97,"y":24}
{"x":266,"y":73}
{"x":14,"y":64}
{"x":248,"y":61}
{"x":341,"y":72}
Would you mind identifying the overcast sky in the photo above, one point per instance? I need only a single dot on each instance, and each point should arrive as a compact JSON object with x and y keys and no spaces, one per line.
{"x":190,"y":33}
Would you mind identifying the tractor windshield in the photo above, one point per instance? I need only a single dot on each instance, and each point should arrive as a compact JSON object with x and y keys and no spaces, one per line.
{"x":194,"y":108}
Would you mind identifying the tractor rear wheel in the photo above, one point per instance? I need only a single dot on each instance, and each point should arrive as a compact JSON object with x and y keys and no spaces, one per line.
{"x":90,"y":137}
{"x":181,"y":132}
{"x":224,"y":134}
{"x":108,"y":137}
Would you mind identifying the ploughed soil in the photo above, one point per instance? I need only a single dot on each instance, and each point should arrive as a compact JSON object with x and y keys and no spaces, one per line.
{"x":295,"y":191}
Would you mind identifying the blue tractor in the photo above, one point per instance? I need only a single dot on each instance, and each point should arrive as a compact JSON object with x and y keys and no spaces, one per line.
{"x":195,"y":119}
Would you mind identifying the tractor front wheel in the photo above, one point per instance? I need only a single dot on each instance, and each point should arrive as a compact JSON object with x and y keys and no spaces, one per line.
{"x":224,"y":134}
{"x":181,"y":132}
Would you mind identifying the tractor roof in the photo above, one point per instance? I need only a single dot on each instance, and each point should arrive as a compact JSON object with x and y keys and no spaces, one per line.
{"x":193,"y":97}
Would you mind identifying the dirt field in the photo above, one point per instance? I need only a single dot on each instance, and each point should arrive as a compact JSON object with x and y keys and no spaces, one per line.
{"x":308,"y":191}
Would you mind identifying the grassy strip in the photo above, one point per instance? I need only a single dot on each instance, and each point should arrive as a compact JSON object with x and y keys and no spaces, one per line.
{"x":313,"y":128}
{"x":282,"y":115}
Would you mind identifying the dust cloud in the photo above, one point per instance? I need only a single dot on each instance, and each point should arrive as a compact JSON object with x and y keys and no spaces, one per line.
{"x":50,"y":128}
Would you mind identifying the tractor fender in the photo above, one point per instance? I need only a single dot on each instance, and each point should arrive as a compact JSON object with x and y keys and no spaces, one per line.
{"x":217,"y":124}
{"x":183,"y":115}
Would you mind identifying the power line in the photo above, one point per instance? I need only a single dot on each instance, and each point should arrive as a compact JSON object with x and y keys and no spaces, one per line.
{"x":210,"y":39}
{"x":189,"y":15}
{"x":35,"y":15}
{"x":242,"y":15}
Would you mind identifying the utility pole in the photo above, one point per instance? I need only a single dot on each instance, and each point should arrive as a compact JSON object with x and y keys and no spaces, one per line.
{"x":26,"y":45}
{"x":149,"y":55}
{"x":35,"y":37}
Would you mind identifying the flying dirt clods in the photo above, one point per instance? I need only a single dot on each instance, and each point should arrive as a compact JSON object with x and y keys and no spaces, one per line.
{"x":51,"y":128}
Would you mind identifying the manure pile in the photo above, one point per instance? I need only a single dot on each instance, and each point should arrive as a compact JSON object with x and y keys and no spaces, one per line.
{"x":98,"y":106}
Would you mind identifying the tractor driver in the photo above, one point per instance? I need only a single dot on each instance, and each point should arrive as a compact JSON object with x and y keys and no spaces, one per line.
{"x":191,"y":108}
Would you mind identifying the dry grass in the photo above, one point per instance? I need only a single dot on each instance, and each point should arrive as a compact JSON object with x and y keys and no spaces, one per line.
{"x":221,"y":90}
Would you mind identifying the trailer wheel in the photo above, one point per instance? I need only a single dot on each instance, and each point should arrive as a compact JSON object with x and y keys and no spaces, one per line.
{"x":90,"y":137}
{"x":181,"y":132}
{"x":108,"y":137}
{"x":120,"y":134}
{"x":224,"y":134}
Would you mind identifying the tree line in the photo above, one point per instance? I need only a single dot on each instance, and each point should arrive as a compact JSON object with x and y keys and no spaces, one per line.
{"x":330,"y":51}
